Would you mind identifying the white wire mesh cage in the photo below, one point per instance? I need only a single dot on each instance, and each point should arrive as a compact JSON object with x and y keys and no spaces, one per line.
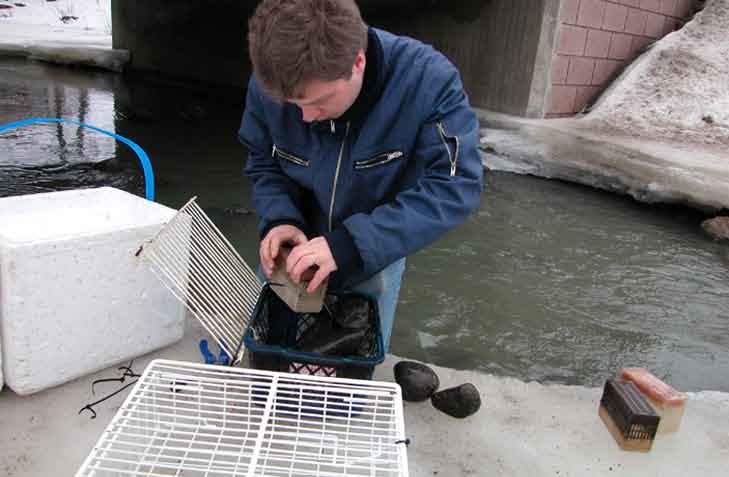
{"x":185,"y":419}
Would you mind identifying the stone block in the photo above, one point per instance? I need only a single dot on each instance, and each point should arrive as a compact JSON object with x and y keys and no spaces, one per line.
{"x":605,"y":70}
{"x":615,"y":17}
{"x":636,"y":21}
{"x":560,"y":64}
{"x":651,"y":5}
{"x":621,"y":46}
{"x":591,"y":13}
{"x":580,"y":71}
{"x":654,"y":25}
{"x":598,"y":43}
{"x":639,"y":43}
{"x":668,"y":7}
{"x":571,"y":40}
{"x":562,"y":99}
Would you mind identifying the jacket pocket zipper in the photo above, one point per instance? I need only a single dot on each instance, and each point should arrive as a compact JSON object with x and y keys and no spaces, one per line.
{"x":378,"y":160}
{"x":452,"y":157}
{"x":288,"y":157}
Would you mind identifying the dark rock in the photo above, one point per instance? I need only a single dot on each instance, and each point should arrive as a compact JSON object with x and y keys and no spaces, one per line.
{"x":461,"y":401}
{"x":5,"y":7}
{"x":717,"y":228}
{"x":418,"y":381}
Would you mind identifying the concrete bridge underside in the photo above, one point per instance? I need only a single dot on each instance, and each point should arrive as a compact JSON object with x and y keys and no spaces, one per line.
{"x":502,"y":47}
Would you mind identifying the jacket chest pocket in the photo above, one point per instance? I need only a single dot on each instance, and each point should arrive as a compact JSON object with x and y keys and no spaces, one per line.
{"x":289,"y":157}
{"x":378,"y":160}
{"x":378,"y":175}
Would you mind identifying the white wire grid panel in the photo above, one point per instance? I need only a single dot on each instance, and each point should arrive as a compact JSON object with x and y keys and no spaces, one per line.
{"x":205,"y":272}
{"x":185,"y":419}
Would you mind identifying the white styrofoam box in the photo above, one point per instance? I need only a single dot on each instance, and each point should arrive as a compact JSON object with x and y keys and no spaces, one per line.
{"x":74,"y":297}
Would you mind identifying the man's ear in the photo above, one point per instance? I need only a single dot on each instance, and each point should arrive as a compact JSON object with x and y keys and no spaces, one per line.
{"x":360,"y":61}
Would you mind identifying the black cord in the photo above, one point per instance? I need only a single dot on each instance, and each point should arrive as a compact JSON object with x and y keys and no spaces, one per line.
{"x":128,"y":372}
{"x":90,"y":407}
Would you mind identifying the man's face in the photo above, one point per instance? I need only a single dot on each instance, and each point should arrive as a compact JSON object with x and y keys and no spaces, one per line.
{"x":324,"y":100}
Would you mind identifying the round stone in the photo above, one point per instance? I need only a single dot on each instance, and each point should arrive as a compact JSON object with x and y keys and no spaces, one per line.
{"x":418,"y":381}
{"x":461,"y":401}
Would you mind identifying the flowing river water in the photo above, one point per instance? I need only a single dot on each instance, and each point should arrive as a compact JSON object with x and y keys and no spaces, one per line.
{"x":547,"y":281}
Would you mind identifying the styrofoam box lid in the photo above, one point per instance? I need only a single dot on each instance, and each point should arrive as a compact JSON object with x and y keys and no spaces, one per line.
{"x":53,"y":216}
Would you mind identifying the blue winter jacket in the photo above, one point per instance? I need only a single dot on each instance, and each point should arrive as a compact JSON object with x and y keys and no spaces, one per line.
{"x":399,"y":169}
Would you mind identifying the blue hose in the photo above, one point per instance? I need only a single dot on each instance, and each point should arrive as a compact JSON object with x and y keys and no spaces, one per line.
{"x":143,"y":158}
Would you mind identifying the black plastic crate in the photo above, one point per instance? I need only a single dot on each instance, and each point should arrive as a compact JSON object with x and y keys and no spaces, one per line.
{"x":277,"y":350}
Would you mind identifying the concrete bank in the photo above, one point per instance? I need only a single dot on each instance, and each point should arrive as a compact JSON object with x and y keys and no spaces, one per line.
{"x":522,"y":429}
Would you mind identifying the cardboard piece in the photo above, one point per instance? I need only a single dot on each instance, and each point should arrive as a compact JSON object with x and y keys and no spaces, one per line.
{"x":295,"y":296}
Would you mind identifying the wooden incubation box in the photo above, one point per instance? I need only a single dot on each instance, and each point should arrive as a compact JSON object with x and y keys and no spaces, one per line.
{"x":628,"y":416}
{"x":669,"y":403}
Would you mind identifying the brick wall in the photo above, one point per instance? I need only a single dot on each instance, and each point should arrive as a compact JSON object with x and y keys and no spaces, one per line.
{"x":596,"y":38}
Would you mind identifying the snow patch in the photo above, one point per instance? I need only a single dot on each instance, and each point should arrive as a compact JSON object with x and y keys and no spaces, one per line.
{"x":678,"y":90}
{"x":81,"y":14}
{"x":64,"y":31}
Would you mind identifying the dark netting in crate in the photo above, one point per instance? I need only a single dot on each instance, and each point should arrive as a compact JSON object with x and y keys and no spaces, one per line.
{"x":342,"y":340}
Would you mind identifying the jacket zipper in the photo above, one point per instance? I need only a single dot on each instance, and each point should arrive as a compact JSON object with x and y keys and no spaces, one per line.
{"x":452,"y":158}
{"x":378,"y":160}
{"x":289,"y":157}
{"x":336,"y":175}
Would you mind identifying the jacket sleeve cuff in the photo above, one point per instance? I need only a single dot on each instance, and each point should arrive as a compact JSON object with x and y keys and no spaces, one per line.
{"x":276,"y":223}
{"x":345,"y":252}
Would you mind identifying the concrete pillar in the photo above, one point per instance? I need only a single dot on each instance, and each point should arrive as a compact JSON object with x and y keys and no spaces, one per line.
{"x":503,"y":48}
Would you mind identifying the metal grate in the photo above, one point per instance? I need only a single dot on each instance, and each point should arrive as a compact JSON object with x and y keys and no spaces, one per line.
{"x":204,"y":271}
{"x":185,"y":419}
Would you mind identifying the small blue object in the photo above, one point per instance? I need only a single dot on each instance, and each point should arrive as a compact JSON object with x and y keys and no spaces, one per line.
{"x":210,"y":358}
{"x":223,"y":359}
{"x":143,"y":158}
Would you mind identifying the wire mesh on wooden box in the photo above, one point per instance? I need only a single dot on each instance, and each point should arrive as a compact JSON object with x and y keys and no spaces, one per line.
{"x":187,"y":419}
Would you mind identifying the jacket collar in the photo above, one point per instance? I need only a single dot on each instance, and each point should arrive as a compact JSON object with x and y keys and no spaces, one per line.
{"x":373,"y":80}
{"x":372,"y":85}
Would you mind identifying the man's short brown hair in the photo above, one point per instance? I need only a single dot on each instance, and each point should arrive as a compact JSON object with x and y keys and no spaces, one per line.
{"x":293,"y":42}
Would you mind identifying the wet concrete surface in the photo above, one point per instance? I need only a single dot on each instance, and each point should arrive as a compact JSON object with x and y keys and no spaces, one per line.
{"x":522,"y":429}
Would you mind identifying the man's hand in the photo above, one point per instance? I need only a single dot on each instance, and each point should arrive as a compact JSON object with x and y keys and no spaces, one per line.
{"x":314,"y":253}
{"x":272,"y":242}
